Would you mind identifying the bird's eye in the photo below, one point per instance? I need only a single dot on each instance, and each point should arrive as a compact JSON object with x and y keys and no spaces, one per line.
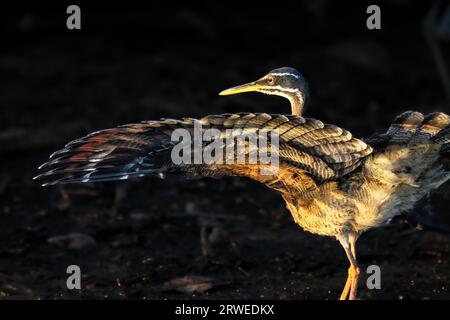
{"x":271,"y":80}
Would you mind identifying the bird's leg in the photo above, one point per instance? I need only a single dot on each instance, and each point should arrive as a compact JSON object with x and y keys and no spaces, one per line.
{"x":354,"y":288}
{"x":347,"y":287}
{"x":351,"y":285}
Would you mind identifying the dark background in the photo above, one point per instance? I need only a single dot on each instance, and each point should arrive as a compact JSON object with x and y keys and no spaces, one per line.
{"x":229,"y":238}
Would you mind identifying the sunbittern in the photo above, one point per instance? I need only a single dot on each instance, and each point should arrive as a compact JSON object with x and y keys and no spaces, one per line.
{"x":333,"y":184}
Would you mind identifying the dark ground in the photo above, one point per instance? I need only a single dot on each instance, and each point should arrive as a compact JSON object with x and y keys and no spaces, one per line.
{"x":233,"y":238}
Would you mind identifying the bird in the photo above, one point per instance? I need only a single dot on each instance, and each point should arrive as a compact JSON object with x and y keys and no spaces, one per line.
{"x":332,"y":183}
{"x":285,"y":82}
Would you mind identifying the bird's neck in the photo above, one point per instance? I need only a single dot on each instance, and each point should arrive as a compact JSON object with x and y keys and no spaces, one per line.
{"x":297,"y":103}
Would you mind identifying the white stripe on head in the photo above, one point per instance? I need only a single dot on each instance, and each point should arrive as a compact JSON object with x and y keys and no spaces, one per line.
{"x":282,"y":89}
{"x":296,"y":76}
{"x":284,"y":92}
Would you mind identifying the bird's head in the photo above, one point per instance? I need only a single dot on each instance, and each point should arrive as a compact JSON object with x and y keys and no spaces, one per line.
{"x":285,"y":82}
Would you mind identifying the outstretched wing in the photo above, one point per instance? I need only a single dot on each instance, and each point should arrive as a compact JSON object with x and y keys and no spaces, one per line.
{"x":309,"y":151}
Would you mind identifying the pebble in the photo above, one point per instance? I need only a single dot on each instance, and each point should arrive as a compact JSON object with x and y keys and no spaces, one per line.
{"x":73,"y":241}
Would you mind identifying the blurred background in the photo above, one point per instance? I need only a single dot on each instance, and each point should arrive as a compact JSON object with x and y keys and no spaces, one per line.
{"x":230,"y":238}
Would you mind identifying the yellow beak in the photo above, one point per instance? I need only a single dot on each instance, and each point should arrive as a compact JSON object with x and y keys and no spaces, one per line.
{"x":248,"y":87}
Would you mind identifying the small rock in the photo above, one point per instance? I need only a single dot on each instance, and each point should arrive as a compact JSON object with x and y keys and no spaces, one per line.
{"x":73,"y":241}
{"x":189,"y":284}
{"x":139,"y":216}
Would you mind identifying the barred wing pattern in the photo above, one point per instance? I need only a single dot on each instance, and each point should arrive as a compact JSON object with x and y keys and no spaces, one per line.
{"x":310,"y":152}
{"x":416,"y":143}
{"x":415,"y":150}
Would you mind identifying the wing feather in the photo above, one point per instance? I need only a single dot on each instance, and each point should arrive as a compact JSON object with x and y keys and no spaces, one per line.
{"x":309,"y":150}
